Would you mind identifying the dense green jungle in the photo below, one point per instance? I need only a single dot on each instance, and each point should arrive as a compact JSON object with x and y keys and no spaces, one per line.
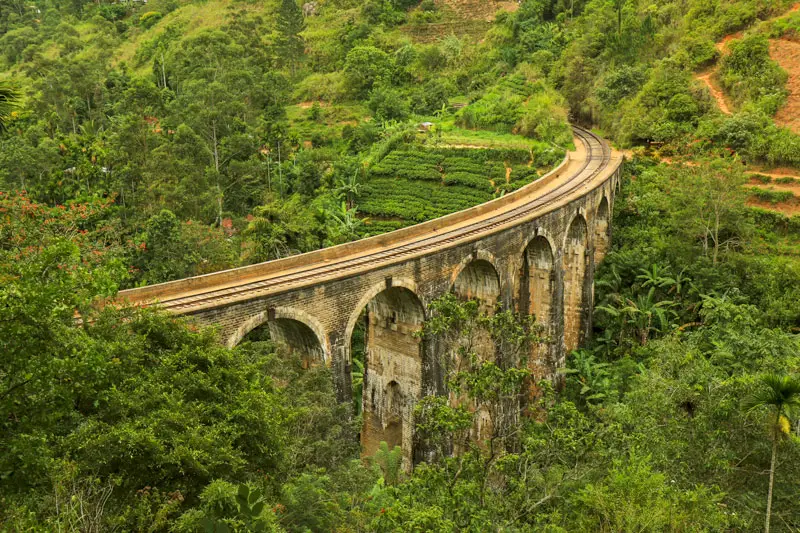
{"x":147,"y":141}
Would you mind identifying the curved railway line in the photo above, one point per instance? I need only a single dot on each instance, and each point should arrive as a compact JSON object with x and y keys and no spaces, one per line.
{"x":585,"y":168}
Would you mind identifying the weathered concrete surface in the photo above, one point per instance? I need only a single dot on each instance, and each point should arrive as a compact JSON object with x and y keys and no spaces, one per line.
{"x":534,"y":250}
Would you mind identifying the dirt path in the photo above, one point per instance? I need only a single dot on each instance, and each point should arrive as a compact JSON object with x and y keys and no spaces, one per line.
{"x":775,"y":173}
{"x":787,"y":54}
{"x":716,"y":92}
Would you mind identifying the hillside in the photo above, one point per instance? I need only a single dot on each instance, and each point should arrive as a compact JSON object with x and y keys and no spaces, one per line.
{"x":276,"y":106}
{"x":147,"y":142}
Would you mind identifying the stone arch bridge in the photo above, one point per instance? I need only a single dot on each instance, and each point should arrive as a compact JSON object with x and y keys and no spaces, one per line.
{"x":533,"y":250}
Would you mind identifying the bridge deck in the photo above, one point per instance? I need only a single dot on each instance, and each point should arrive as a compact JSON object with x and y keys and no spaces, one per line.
{"x":582,"y":170}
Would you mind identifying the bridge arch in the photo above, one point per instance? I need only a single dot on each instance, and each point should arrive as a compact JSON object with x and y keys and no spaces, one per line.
{"x":602,"y":228}
{"x":536,"y":298}
{"x":293,"y":328}
{"x":576,"y":266}
{"x":394,"y":353}
{"x":371,"y":293}
{"x":477,"y":277}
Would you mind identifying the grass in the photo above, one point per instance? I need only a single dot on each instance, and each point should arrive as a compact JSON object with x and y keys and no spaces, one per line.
{"x":332,"y":119}
{"x":454,"y":136}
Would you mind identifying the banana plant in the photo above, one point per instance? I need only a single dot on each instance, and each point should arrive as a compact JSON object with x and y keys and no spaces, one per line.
{"x":589,"y":374}
{"x":657,"y":276}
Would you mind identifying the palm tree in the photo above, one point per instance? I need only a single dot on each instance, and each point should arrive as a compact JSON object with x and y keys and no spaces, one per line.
{"x":779,"y":394}
{"x":9,"y":100}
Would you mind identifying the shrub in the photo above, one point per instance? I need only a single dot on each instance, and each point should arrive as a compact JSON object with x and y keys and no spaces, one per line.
{"x":328,"y":87}
{"x":773,"y":197}
{"x":469,"y":180}
{"x":545,"y":119}
{"x":388,"y":104}
{"x":149,"y":19}
{"x":700,"y":49}
{"x":784,"y":148}
{"x":620,"y":83}
{"x":749,"y":74}
{"x":363,"y":67}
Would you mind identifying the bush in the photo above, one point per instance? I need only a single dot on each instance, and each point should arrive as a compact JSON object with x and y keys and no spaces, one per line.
{"x":328,"y":87}
{"x":750,"y":75}
{"x":469,"y":180}
{"x":364,"y":66}
{"x":761,"y":178}
{"x":492,"y":112}
{"x":112,"y":12}
{"x":620,"y":83}
{"x":149,"y":19}
{"x":701,"y":50}
{"x":388,"y":104}
{"x":773,"y":197}
{"x":784,"y":148}
{"x":545,"y":119}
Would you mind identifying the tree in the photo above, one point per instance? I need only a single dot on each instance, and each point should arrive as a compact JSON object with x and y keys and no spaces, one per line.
{"x":485,"y":365}
{"x":363,"y":67}
{"x":290,"y":23}
{"x":779,"y":394}
{"x":9,"y":100}
{"x":710,"y":205}
{"x":164,"y":255}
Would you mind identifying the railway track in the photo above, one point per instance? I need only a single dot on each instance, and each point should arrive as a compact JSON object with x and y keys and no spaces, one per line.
{"x":176,"y":299}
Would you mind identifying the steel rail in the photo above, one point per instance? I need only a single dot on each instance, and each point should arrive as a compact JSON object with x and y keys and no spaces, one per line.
{"x":597,"y":152}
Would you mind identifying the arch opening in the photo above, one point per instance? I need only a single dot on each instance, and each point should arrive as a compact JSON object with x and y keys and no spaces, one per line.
{"x":575,"y":269}
{"x":478,"y":280}
{"x":536,"y":298}
{"x":602,"y":228}
{"x":392,"y":369}
{"x":293,"y":335}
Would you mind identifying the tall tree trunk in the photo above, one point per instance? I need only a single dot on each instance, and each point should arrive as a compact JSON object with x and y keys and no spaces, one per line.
{"x":163,"y":71}
{"x":216,"y":167}
{"x":775,"y":430}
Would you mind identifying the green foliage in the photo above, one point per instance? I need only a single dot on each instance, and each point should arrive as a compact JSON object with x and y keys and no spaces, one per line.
{"x":751,"y":76}
{"x":364,"y":66}
{"x":160,"y":147}
{"x":9,"y":99}
{"x":149,"y":19}
{"x":390,"y":462}
{"x":281,"y":228}
{"x":773,"y":197}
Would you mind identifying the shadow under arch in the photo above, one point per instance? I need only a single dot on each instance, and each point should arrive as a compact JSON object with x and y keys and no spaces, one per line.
{"x":392,"y":379}
{"x":478,"y":279}
{"x":296,"y":330}
{"x":576,"y":263}
{"x":602,"y":227}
